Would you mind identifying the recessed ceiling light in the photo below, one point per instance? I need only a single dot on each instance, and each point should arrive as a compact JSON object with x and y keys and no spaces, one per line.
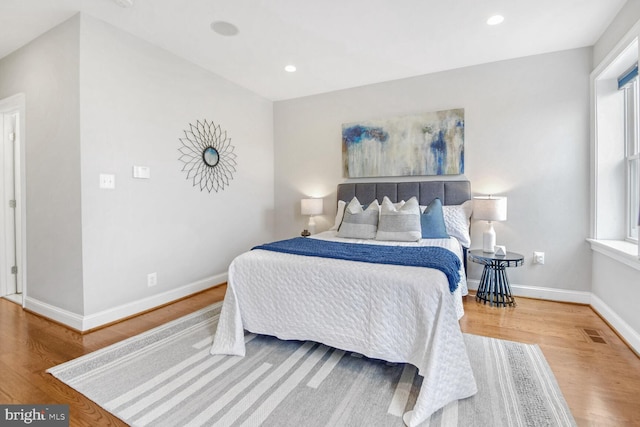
{"x":290,"y":68}
{"x":495,"y":20}
{"x":224,"y":28}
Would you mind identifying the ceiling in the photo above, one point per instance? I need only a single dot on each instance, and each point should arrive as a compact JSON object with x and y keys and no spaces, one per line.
{"x":335,"y":44}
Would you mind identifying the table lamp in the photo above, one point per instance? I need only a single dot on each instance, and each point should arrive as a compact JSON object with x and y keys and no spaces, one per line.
{"x":310,"y":207}
{"x":489,"y":208}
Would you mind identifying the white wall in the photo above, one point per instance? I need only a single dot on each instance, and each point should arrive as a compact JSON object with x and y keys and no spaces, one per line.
{"x":46,"y":71}
{"x":621,"y":24}
{"x":616,"y":291}
{"x":136,"y":101}
{"x":526,"y":137}
{"x":99,"y":100}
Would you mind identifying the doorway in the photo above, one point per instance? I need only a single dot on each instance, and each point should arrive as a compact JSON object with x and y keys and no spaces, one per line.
{"x":11,"y":209}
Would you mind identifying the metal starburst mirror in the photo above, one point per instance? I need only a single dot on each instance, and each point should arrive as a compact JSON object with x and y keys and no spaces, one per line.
{"x":208,"y":156}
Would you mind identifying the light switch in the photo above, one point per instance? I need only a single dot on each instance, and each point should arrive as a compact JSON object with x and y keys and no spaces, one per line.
{"x":143,"y":172}
{"x":107,"y":181}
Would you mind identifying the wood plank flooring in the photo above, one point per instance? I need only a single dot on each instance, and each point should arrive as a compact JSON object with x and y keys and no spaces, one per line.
{"x":601,"y":381}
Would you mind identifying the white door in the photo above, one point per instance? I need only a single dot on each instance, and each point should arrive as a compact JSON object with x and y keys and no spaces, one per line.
{"x":8,"y":266}
{"x":12,"y":198}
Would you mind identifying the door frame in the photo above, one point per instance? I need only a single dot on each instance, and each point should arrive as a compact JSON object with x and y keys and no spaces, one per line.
{"x":11,"y":104}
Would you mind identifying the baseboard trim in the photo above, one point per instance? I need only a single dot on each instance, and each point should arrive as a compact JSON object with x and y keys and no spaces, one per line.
{"x":551,"y":294}
{"x":622,"y":328}
{"x":57,"y":314}
{"x":105,"y":317}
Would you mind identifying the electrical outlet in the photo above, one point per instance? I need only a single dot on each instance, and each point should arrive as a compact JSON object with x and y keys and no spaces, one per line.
{"x":538,"y":257}
{"x":107,"y":181}
{"x":152,"y":279}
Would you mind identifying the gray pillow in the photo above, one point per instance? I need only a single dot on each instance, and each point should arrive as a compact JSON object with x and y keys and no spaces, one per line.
{"x":403,"y":224}
{"x":359,"y":223}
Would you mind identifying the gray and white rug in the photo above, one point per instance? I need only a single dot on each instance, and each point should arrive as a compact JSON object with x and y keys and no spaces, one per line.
{"x":166,"y":377}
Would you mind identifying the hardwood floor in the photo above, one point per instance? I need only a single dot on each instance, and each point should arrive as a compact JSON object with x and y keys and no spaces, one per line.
{"x":600,"y":381}
{"x":30,"y":344}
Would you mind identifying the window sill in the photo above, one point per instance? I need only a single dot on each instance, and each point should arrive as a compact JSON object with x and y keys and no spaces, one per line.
{"x":619,"y":250}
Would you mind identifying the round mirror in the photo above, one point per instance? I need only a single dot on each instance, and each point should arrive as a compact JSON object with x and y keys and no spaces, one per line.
{"x":210,"y":156}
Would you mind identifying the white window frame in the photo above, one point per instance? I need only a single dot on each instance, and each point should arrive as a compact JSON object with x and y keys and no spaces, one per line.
{"x":632,"y":158}
{"x":610,"y":207}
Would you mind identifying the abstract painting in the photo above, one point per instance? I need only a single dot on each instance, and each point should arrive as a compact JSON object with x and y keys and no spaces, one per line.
{"x":421,"y":144}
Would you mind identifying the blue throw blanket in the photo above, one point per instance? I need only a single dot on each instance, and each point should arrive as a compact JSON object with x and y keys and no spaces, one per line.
{"x":416,"y":256}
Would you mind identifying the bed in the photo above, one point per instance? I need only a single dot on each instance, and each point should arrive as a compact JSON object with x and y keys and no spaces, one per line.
{"x":397,"y":313}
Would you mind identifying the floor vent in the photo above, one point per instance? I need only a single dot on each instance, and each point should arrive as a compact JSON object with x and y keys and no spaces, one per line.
{"x":594,"y":335}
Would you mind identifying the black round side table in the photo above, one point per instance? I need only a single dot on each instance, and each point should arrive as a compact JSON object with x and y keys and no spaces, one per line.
{"x":494,"y":285}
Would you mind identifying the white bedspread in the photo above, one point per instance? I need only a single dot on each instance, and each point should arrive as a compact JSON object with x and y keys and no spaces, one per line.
{"x":395,"y":313}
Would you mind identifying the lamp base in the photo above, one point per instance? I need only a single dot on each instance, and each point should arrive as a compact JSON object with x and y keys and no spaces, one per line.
{"x":489,"y":239}
{"x":311,"y":226}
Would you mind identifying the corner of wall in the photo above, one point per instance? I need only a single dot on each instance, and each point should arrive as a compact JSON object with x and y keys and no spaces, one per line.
{"x":625,"y":21}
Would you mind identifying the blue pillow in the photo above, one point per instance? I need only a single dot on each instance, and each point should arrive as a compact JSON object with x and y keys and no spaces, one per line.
{"x":432,"y":221}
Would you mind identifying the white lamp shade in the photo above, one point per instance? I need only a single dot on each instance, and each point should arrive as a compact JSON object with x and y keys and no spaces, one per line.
{"x":311,"y":206}
{"x":490,"y":208}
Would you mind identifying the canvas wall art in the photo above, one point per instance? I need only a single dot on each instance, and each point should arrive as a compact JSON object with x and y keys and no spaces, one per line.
{"x":421,"y":144}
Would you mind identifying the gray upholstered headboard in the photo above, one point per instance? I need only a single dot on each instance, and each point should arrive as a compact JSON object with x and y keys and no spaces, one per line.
{"x":449,"y":192}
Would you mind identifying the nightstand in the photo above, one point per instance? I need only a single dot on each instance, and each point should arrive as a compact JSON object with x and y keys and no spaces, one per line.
{"x":494,"y":285}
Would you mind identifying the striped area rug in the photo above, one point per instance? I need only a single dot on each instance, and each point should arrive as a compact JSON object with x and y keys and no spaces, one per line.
{"x":166,"y":377}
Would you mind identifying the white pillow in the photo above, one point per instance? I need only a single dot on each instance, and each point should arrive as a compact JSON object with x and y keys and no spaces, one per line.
{"x":398,"y":205}
{"x":359,"y":223}
{"x":457,"y":221}
{"x":339,"y":214}
{"x":399,"y":224}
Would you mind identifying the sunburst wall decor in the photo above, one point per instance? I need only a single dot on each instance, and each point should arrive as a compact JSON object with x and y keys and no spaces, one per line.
{"x":208,"y":156}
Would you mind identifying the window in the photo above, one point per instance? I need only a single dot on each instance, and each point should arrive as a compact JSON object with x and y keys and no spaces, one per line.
{"x":628,"y":82}
{"x":615,"y":154}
